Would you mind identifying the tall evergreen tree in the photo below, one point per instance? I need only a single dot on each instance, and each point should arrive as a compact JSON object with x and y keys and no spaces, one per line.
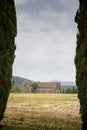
{"x":81,"y":59}
{"x":8,"y":32}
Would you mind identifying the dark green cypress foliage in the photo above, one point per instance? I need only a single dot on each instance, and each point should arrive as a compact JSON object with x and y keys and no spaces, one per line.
{"x":81,"y":58}
{"x":8,"y":32}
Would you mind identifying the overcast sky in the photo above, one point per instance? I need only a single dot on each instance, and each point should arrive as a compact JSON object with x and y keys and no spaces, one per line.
{"x":46,"y":39}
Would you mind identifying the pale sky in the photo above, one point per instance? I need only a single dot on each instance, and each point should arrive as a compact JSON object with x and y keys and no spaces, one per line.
{"x":46,"y":40}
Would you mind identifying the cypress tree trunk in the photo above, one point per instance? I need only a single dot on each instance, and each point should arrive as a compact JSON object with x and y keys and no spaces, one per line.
{"x":7,"y":48}
{"x":81,"y":59}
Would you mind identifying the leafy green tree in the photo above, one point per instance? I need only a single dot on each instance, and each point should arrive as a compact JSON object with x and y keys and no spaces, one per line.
{"x":8,"y":32}
{"x":16,"y":88}
{"x":68,"y":90}
{"x":34,"y":87}
{"x":81,"y":59}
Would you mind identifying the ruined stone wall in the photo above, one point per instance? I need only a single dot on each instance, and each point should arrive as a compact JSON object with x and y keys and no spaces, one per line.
{"x":43,"y":87}
{"x":48,"y":87}
{"x":27,"y":86}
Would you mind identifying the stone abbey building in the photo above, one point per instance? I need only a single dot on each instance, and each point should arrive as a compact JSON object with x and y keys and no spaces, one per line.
{"x":42,"y":87}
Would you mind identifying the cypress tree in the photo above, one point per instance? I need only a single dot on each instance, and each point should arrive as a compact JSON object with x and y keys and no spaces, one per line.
{"x":8,"y":32}
{"x":81,"y":58}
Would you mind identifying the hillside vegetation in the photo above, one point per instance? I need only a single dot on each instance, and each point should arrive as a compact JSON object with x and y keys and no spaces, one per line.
{"x":23,"y":85}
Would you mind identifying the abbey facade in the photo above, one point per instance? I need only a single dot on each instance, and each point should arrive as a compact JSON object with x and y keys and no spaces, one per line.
{"x":41,"y":87}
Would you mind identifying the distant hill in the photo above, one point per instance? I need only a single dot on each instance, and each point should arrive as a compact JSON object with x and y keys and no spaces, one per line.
{"x":19,"y":80}
{"x":66,"y":84}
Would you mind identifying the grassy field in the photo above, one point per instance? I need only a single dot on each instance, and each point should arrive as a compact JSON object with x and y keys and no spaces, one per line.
{"x":43,"y":111}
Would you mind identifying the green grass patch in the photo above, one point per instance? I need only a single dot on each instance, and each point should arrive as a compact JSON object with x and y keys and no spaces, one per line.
{"x":41,"y":99}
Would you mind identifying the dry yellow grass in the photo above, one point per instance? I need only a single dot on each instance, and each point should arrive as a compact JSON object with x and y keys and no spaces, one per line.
{"x":42,"y":109}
